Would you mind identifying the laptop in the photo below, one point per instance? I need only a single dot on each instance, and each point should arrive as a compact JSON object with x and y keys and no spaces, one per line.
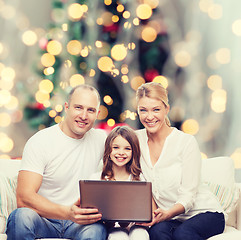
{"x":122,"y":201}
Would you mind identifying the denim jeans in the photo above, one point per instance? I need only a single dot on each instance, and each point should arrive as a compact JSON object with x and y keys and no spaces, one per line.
{"x":200,"y":227}
{"x":26,"y":224}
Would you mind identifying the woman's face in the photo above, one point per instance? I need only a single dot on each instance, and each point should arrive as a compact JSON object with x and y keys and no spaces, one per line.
{"x":152,"y":113}
{"x":121,"y":152}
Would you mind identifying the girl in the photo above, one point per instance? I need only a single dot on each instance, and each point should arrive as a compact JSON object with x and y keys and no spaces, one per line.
{"x":121,"y":162}
{"x":171,"y":160}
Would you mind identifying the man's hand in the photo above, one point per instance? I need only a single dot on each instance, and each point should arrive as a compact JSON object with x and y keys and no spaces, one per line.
{"x":83,"y":215}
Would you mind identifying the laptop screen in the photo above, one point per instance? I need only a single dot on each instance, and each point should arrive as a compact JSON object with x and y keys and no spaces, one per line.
{"x":129,"y":201}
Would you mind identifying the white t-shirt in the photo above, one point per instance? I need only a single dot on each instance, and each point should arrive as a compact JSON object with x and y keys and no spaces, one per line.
{"x":63,"y":161}
{"x":176,"y":175}
{"x":97,"y":176}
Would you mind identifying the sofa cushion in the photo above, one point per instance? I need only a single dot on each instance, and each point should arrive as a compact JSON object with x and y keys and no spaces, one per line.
{"x":218,"y":174}
{"x":9,"y":167}
{"x":7,"y":199}
{"x":229,"y":233}
{"x":218,"y":170}
{"x":227,"y":196}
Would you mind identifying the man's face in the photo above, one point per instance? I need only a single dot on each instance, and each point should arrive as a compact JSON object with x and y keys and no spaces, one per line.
{"x":81,"y":113}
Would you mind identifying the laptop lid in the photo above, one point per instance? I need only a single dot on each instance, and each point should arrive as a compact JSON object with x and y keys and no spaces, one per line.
{"x":120,"y":201}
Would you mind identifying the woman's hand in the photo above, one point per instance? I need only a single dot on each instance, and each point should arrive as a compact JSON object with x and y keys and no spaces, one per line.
{"x":159,"y":215}
{"x":83,"y":215}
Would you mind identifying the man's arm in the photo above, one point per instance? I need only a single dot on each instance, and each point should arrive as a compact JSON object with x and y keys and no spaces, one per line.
{"x":27,"y":196}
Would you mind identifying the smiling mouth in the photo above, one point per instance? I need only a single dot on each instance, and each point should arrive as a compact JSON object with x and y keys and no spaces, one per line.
{"x":151,"y":124}
{"x":120,"y":159}
{"x":81,"y":124}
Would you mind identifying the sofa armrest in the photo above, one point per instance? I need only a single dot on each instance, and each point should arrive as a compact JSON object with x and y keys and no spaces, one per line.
{"x":239,"y":208}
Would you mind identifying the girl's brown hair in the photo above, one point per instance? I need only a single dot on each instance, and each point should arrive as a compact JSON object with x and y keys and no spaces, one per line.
{"x":133,"y":166}
{"x":156,"y":91}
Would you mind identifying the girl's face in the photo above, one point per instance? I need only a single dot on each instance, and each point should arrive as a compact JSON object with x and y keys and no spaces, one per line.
{"x":152,"y":113}
{"x":121,"y":152}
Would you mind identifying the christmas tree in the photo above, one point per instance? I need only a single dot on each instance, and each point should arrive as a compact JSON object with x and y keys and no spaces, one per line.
{"x":113,"y":45}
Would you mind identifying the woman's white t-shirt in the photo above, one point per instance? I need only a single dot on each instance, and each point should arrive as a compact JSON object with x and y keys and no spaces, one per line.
{"x":176,"y":175}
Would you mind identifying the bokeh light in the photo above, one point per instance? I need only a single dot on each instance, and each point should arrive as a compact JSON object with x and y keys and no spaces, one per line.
{"x":52,"y":113}
{"x":29,"y":38}
{"x":182,"y":58}
{"x":118,"y":52}
{"x":137,"y":82}
{"x":236,"y":156}
{"x":41,"y":97}
{"x":47,"y":60}
{"x":223,"y":55}
{"x":46,"y":86}
{"x":75,"y":11}
{"x":215,"y":11}
{"x":74,"y":47}
{"x":6,"y":143}
{"x":105,"y":64}
{"x":111,"y":122}
{"x":214,"y":82}
{"x":144,"y":11}
{"x":103,"y":112}
{"x":162,"y":80}
{"x":5,"y":119}
{"x":218,"y":101}
{"x":149,"y":34}
{"x":54,"y":47}
{"x":236,"y":27}
{"x":190,"y":126}
{"x":108,"y":100}
{"x":76,"y":79}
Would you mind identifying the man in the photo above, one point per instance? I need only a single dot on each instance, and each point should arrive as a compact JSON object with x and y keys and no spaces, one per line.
{"x":54,"y":160}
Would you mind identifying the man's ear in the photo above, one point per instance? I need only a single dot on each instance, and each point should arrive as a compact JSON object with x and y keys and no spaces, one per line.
{"x":97,"y":115}
{"x":66,"y":106}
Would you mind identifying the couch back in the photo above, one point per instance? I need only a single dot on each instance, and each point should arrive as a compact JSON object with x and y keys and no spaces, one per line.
{"x":9,"y":167}
{"x":218,"y":170}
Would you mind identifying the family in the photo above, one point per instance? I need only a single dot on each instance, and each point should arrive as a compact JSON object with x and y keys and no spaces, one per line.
{"x":56,"y":158}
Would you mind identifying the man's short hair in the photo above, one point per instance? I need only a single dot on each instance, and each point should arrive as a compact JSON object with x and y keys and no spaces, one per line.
{"x":83,"y":86}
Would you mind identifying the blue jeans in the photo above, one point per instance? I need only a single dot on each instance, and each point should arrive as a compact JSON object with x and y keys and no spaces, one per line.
{"x":199,"y":227}
{"x":26,"y":224}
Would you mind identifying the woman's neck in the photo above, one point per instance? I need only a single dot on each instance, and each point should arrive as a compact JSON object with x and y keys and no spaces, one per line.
{"x":160,"y":135}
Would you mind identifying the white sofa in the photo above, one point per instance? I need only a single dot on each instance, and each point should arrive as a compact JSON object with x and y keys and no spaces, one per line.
{"x":217,"y":173}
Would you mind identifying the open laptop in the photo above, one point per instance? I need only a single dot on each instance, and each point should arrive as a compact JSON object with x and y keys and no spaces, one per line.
{"x":118,"y":200}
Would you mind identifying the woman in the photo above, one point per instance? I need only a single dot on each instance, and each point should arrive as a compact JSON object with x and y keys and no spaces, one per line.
{"x":171,"y":160}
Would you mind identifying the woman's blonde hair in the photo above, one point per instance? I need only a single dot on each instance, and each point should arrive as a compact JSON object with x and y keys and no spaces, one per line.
{"x":133,"y":166}
{"x":156,"y":91}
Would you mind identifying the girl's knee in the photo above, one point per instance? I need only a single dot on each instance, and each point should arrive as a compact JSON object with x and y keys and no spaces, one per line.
{"x":118,"y":234}
{"x":139,"y":234}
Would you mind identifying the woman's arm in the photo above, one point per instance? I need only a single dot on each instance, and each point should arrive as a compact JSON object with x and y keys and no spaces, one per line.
{"x":161,"y":215}
{"x":191,"y":171}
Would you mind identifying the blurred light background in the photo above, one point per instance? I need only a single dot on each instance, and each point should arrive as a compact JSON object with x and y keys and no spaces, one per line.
{"x":192,"y":47}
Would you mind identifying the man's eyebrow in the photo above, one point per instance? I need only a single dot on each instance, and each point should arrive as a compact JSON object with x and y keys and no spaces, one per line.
{"x":92,"y":108}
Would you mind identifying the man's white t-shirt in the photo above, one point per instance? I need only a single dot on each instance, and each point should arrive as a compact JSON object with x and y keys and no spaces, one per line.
{"x":63,"y":161}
